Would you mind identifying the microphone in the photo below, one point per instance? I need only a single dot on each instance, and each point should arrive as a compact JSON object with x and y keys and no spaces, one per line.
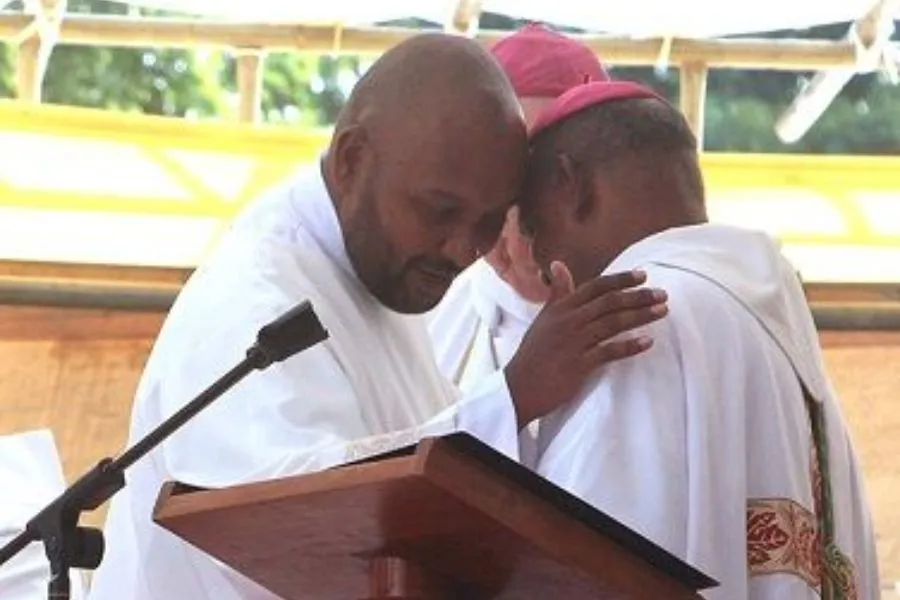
{"x":69,"y":545}
{"x":291,"y":333}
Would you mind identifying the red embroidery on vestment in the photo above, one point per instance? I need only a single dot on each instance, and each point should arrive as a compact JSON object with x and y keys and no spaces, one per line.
{"x":784,"y":537}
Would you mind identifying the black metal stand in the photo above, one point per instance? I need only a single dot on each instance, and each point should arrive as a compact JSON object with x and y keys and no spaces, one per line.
{"x":71,"y":546}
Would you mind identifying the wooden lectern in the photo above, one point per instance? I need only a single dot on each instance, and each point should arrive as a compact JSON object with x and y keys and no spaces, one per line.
{"x":449,"y":518}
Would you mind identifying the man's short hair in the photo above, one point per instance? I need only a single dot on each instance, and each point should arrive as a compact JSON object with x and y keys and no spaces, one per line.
{"x":601,"y":135}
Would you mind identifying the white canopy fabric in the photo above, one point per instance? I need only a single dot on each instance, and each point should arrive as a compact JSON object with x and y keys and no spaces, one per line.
{"x":639,"y":18}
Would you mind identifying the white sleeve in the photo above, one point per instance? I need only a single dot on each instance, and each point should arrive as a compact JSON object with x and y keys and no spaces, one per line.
{"x":488,"y":413}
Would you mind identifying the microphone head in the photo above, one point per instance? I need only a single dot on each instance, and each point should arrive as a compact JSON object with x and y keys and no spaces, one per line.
{"x":291,"y":333}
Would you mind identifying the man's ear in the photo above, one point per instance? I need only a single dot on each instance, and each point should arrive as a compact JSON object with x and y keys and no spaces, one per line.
{"x":348,"y":153}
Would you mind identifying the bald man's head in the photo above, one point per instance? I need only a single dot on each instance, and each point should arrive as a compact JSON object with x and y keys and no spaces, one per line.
{"x":426,"y":157}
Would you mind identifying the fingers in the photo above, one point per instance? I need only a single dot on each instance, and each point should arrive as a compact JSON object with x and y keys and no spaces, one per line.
{"x":561,"y":283}
{"x":622,"y":300}
{"x":614,"y":351}
{"x":605,"y":284}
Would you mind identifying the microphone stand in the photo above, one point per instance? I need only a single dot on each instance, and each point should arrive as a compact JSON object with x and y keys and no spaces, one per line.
{"x":71,"y":546}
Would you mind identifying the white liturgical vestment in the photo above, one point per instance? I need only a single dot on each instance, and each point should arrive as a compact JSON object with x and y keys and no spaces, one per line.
{"x":31,"y":477}
{"x":373,"y":376}
{"x":704,"y":444}
{"x":478,"y":326}
{"x":476,"y":330}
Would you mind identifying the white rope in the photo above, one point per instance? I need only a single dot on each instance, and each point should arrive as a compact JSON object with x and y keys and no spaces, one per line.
{"x":48,"y":15}
{"x":665,"y":53}
{"x":880,"y":54}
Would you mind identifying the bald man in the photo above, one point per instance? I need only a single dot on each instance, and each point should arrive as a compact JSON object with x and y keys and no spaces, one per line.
{"x":480,"y":322}
{"x":724,"y":443}
{"x":417,"y":179}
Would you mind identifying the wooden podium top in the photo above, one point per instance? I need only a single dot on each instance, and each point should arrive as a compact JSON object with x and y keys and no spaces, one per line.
{"x":482,"y":524}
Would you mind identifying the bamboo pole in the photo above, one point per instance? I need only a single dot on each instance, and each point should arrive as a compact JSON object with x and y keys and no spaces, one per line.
{"x":29,"y":75}
{"x":693,"y":97}
{"x":250,"y":66}
{"x":787,"y":55}
{"x":35,"y":41}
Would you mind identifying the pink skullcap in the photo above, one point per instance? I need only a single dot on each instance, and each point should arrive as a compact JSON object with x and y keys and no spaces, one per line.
{"x":543,"y":63}
{"x":589,"y":94}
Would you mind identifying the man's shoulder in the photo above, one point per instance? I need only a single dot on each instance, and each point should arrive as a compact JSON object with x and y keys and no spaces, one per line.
{"x":687,"y":289}
{"x":706,"y":322}
{"x":699,"y":310}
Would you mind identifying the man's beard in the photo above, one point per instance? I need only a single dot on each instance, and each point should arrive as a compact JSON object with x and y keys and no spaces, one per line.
{"x":369,"y":249}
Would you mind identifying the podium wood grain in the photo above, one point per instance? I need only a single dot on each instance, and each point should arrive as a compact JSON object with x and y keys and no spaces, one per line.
{"x":432,"y":525}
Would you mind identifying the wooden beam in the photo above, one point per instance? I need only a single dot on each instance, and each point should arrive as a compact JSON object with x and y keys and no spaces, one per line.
{"x":693,"y":97}
{"x":834,"y":306}
{"x":840,"y":293}
{"x":94,"y":273}
{"x":250,"y":67}
{"x":859,"y":339}
{"x":852,"y":293}
{"x":788,"y":55}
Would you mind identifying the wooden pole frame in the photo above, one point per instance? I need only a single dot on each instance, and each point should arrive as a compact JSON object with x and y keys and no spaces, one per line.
{"x":34,"y":43}
{"x":869,"y":34}
{"x":250,"y":64}
{"x":693,"y":97}
{"x":783,"y":55}
{"x":251,"y":42}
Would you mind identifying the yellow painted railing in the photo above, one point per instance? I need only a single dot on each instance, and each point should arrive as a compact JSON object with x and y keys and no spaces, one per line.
{"x":111,"y":173}
{"x":180,"y":159}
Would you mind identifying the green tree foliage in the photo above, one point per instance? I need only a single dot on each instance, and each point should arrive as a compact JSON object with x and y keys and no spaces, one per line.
{"x":146,"y":80}
{"x":7,"y":68}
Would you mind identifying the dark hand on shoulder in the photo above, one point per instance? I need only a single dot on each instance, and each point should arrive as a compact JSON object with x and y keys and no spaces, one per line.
{"x":569,"y":339}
